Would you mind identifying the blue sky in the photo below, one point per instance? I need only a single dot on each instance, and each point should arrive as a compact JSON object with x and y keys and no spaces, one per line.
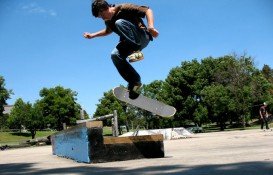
{"x":41,"y":43}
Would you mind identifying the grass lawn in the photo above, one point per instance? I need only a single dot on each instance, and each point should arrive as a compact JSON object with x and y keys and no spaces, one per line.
{"x":215,"y":128}
{"x":14,"y":138}
{"x":107,"y":131}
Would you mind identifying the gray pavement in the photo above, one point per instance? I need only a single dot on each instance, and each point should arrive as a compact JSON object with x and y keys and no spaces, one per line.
{"x":224,"y":153}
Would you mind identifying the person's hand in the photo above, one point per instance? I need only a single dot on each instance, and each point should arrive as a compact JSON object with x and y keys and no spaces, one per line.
{"x":153,"y":32}
{"x":88,"y":35}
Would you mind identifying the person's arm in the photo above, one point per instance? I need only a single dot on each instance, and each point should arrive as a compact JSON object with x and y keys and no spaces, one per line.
{"x":260,"y":112}
{"x":103,"y":32}
{"x":150,"y":22}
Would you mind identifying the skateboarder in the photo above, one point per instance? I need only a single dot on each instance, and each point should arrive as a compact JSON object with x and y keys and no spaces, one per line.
{"x":126,"y":21}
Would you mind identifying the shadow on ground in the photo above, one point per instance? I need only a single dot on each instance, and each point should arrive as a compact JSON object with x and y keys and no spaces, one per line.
{"x":246,"y":168}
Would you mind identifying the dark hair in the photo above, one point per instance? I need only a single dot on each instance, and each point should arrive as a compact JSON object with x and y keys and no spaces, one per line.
{"x":99,"y":5}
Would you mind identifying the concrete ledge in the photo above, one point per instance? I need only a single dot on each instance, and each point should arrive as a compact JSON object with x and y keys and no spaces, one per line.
{"x":134,"y":147}
{"x":75,"y":142}
{"x":85,"y":143}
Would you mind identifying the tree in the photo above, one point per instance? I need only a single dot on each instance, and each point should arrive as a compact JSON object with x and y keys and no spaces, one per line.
{"x":154,"y":90}
{"x":268,"y":73}
{"x":229,"y":80}
{"x":109,"y":103}
{"x":182,"y":90}
{"x":24,"y":114}
{"x":129,"y":114}
{"x":59,"y":106}
{"x":217,"y":99}
{"x":4,"y":95}
{"x":239,"y":75}
{"x":267,"y":91}
{"x":4,"y":121}
{"x":35,"y":119}
{"x":20,"y":112}
{"x":213,"y":90}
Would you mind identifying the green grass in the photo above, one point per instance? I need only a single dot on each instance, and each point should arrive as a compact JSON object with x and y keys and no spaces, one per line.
{"x":14,"y":138}
{"x":107,"y":131}
{"x":215,"y":128}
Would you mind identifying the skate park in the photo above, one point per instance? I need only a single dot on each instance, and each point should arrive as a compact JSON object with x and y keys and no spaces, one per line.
{"x":210,"y":60}
{"x":225,"y":153}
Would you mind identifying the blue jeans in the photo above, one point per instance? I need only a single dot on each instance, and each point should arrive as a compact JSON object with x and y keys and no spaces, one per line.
{"x":132,"y":38}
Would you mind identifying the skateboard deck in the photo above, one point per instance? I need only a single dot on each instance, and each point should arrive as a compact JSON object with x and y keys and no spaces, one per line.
{"x":145,"y":103}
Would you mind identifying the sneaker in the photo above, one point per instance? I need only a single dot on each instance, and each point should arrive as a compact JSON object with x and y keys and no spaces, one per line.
{"x":134,"y":90}
{"x":136,"y":56}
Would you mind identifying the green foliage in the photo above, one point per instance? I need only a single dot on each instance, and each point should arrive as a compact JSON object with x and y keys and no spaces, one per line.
{"x":20,"y":112}
{"x":216,"y":90}
{"x":4,"y":121}
{"x":221,"y":90}
{"x":153,"y":90}
{"x":200,"y":115}
{"x":217,"y":99}
{"x":268,"y":73}
{"x":15,"y":138}
{"x":108,"y":103}
{"x":59,"y":106}
{"x":35,"y":120}
{"x":267,"y":89}
{"x":4,"y":95}
{"x":182,"y":89}
{"x":24,"y":114}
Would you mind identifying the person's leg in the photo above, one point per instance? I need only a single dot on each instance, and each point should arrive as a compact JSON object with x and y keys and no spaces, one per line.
{"x":129,"y":33}
{"x":135,"y":38}
{"x":266,"y":123}
{"x":132,"y":39}
{"x":128,"y":73}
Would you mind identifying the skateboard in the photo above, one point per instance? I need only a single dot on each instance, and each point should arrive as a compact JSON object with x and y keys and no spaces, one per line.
{"x":145,"y":103}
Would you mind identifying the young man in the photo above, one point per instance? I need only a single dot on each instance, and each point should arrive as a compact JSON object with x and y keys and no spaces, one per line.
{"x":126,"y":21}
{"x":264,"y":116}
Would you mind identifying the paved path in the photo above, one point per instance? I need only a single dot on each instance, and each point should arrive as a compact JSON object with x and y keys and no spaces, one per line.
{"x":223,"y":153}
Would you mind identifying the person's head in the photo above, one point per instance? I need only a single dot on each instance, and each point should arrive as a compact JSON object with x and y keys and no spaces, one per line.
{"x":98,"y":6}
{"x":265,"y":104}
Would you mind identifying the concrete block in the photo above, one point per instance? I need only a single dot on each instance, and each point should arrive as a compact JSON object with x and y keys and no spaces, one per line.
{"x":85,"y":143}
{"x":75,"y":142}
{"x":128,"y":148}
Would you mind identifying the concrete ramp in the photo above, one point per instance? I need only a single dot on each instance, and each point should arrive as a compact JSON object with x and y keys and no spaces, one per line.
{"x":168,"y":133}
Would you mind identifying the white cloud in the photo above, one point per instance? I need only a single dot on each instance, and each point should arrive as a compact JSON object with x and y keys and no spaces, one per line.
{"x":35,"y":8}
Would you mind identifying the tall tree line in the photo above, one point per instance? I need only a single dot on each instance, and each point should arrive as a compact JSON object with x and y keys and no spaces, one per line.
{"x":213,"y":90}
{"x":57,"y":106}
{"x":221,"y":90}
